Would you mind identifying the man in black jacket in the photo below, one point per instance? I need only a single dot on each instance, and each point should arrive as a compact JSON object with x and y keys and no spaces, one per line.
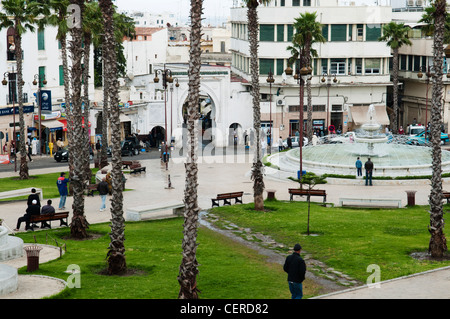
{"x":33,"y":209}
{"x":296,"y":268}
{"x":103,"y":191}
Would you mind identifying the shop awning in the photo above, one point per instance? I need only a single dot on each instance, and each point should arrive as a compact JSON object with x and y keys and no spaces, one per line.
{"x":64,"y":122}
{"x":53,"y":125}
{"x":360,"y":115}
{"x":124,"y":118}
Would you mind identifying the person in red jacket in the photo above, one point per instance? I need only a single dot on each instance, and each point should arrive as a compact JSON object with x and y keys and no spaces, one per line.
{"x":296,"y":269}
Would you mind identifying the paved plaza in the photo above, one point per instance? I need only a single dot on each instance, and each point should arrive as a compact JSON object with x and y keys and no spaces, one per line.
{"x":232,"y":173}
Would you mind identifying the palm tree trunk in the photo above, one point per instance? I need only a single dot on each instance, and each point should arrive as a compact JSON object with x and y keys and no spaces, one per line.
{"x":187,"y":277}
{"x":395,"y":91}
{"x":23,"y":173}
{"x":79,"y":224}
{"x":87,"y":138}
{"x":309,"y":132}
{"x":105,"y":112}
{"x":257,"y":169}
{"x":438,"y":242}
{"x":116,"y":253}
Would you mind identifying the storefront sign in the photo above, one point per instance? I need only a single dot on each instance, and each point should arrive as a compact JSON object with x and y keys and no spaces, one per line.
{"x":11,"y":111}
{"x":45,"y":100}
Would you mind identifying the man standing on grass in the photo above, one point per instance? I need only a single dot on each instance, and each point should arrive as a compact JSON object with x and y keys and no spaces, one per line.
{"x":296,"y":268}
{"x":62,"y":188}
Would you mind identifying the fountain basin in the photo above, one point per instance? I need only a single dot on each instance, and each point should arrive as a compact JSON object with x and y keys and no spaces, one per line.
{"x":9,"y":279}
{"x":392,"y":159}
{"x":10,"y":247}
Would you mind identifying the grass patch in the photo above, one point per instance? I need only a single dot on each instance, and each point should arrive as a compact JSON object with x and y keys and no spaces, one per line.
{"x":349,"y":239}
{"x":153,"y":252}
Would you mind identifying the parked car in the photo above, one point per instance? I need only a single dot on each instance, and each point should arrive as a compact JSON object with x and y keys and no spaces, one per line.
{"x":129,"y":148}
{"x":413,"y":130}
{"x":295,"y":140}
{"x":419,"y":139}
{"x":63,"y":154}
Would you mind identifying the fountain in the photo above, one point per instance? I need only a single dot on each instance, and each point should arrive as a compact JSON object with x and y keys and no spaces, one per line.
{"x":391,"y":158}
{"x":10,"y":248}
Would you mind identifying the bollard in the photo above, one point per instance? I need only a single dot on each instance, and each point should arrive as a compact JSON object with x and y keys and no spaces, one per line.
{"x":411,"y":198}
{"x":32,"y":257}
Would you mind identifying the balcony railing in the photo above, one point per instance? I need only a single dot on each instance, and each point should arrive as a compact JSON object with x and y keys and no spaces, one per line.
{"x":9,"y":98}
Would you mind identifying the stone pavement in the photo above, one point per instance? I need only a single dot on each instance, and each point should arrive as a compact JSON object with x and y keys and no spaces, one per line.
{"x":232,"y":173}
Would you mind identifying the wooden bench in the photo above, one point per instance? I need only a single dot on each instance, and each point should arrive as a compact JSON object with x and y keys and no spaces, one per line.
{"x":127,"y":164}
{"x":135,"y":213}
{"x":446,"y":195}
{"x":61,"y":216}
{"x":21,"y":192}
{"x":306,"y":192}
{"x":368,"y":202}
{"x":226,"y":197}
{"x":91,"y":188}
{"x":136,"y":168}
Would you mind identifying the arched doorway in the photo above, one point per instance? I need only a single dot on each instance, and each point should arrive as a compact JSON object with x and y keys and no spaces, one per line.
{"x":206,"y":110}
{"x":235,"y":134}
{"x":156,"y":136}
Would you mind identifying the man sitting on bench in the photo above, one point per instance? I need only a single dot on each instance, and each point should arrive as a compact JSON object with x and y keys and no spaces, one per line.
{"x":32,"y":209}
{"x":47,"y":210}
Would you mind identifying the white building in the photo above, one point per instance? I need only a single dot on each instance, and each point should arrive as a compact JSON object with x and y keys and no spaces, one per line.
{"x":352,"y":55}
{"x":41,"y":59}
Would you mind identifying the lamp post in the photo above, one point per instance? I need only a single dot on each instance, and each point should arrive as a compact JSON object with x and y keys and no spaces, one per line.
{"x":328,"y":94}
{"x":171,"y":105}
{"x":301,"y":76}
{"x":167,"y":78}
{"x":270,"y":80}
{"x":13,"y":93}
{"x":41,"y":79}
{"x":427,"y":81}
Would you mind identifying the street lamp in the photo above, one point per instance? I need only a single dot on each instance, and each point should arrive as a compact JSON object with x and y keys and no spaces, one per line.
{"x":301,"y":76}
{"x":427,"y":81}
{"x":41,"y":79}
{"x":328,"y":79}
{"x":13,"y":92}
{"x":177,"y":85}
{"x":167,"y":78}
{"x":270,"y":80}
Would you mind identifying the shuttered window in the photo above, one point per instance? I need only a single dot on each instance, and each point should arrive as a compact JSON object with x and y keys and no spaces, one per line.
{"x":280,"y":32}
{"x":41,"y":40}
{"x":266,"y":32}
{"x":373,"y":32}
{"x":338,"y":32}
{"x":265,"y":65}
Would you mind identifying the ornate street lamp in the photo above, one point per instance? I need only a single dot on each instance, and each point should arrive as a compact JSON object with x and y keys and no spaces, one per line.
{"x":41,"y":79}
{"x":328,"y":79}
{"x":13,"y":91}
{"x":270,"y":80}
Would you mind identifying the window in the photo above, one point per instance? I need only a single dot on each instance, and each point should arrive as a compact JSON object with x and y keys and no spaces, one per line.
{"x":358,"y":66}
{"x":324,"y":66}
{"x":290,"y":32}
{"x":12,"y":88}
{"x":372,"y":66}
{"x":41,"y":40}
{"x":373,"y":32}
{"x":280,"y":66}
{"x":265,"y":65}
{"x":296,"y":3}
{"x":318,"y":108}
{"x":306,"y":3}
{"x":222,"y":46}
{"x":325,"y":31}
{"x":282,"y":3}
{"x":337,"y":66}
{"x":280,"y":32}
{"x":403,"y":62}
{"x":338,"y":32}
{"x":359,"y":32}
{"x":416,"y":63}
{"x":266,"y":32}
{"x":61,"y":75}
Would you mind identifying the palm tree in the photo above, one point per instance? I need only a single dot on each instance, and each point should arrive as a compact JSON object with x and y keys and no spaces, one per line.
{"x":116,"y":254}
{"x":395,"y":35}
{"x":79,"y":224}
{"x":187,"y":277}
{"x":21,"y":15}
{"x":257,"y":169}
{"x":438,"y":243}
{"x":307,"y":32}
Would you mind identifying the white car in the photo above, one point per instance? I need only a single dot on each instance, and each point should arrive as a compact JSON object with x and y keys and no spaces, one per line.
{"x":295,"y":140}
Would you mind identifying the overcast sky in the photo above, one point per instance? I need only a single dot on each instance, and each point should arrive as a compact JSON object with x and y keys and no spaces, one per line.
{"x":213,"y":9}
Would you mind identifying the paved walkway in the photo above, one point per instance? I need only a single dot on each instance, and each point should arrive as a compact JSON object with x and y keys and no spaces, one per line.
{"x":232,"y":173}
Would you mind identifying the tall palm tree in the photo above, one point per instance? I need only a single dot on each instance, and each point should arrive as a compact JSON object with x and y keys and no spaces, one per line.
{"x":438,"y":242}
{"x":188,"y":269}
{"x":22,"y":15}
{"x":116,"y":254}
{"x":257,"y":169}
{"x":395,"y":35}
{"x":307,"y":32}
{"x":79,"y":224}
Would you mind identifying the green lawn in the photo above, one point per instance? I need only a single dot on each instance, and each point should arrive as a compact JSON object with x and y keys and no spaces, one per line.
{"x":348,"y":239}
{"x":153,"y":249}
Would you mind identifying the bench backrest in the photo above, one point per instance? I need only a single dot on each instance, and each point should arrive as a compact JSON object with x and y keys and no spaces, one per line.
{"x":49,"y":216}
{"x":306,"y":191}
{"x":229,"y":195}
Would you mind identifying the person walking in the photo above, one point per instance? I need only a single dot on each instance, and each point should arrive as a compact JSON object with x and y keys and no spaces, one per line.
{"x":103,"y":191}
{"x":368,"y":166}
{"x":296,"y":268}
{"x":28,"y":149}
{"x":62,"y":188}
{"x":289,"y":142}
{"x":358,"y":165}
{"x":280,"y":144}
